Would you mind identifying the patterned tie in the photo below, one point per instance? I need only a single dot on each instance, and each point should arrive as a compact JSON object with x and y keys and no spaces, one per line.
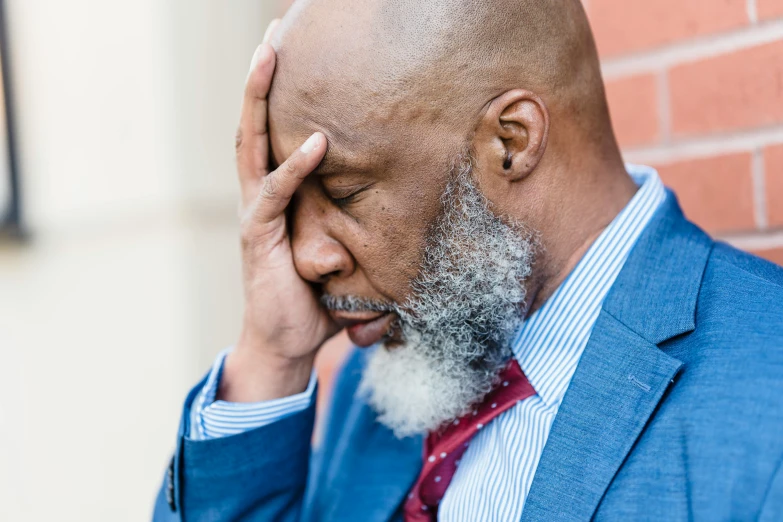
{"x":444,"y":449}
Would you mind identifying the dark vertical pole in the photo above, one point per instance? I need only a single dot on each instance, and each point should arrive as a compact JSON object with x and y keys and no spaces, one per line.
{"x":14,"y":216}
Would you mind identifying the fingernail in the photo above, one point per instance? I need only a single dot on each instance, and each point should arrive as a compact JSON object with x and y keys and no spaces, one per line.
{"x":270,"y":28}
{"x":254,"y":61}
{"x":310,"y":144}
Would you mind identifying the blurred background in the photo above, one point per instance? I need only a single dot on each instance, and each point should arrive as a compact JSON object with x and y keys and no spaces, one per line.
{"x":128,"y":283}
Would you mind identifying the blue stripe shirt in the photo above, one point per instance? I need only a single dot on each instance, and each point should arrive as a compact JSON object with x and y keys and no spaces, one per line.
{"x":495,"y":474}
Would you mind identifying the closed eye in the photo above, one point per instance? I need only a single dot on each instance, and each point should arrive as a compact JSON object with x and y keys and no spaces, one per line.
{"x":343,"y":201}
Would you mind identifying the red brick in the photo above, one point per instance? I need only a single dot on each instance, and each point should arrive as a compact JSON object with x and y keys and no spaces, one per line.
{"x":716,"y":193}
{"x":768,"y":9}
{"x":624,"y":26}
{"x":633,"y":103}
{"x":773,"y":168}
{"x":773,"y":254}
{"x":739,"y":90}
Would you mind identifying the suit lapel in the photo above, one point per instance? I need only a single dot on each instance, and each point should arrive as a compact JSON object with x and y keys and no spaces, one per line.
{"x":617,"y":385}
{"x":623,"y":373}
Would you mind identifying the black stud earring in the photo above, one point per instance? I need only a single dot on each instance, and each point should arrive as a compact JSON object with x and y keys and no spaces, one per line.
{"x":508,"y":162}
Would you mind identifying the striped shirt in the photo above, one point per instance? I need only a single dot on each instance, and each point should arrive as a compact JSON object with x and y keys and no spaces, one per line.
{"x":496,"y":472}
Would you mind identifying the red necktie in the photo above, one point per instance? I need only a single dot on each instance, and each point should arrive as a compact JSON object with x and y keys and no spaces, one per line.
{"x":444,"y":449}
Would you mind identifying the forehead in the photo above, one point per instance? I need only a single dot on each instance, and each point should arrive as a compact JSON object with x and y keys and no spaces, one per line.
{"x":366,"y":124}
{"x":377,"y":102}
{"x":349,"y":150}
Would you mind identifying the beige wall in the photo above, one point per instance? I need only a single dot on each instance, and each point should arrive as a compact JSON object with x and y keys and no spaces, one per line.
{"x":130,"y":282}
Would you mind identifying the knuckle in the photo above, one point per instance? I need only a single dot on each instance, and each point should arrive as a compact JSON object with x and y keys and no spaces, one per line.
{"x":238,"y":140}
{"x":291,"y":166}
{"x":250,"y":84}
{"x":246,"y":233}
{"x":249,"y":236}
{"x":250,"y":231}
{"x":271,"y":188}
{"x":256,"y":237}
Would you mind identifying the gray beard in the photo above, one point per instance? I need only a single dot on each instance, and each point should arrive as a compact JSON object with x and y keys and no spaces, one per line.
{"x":466,"y":303}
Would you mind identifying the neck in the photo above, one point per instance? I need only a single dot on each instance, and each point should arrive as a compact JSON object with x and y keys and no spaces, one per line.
{"x":611,"y":191}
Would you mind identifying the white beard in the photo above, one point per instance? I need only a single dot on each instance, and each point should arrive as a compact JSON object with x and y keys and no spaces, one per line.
{"x":467,"y":302}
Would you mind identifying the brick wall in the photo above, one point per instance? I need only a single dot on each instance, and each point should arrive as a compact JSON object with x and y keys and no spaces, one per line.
{"x":696,"y":90}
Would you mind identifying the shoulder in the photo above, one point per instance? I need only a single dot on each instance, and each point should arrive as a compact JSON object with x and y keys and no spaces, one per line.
{"x":730,"y":262}
{"x":726,"y":399}
{"x":733,"y":359}
{"x":741,"y":297}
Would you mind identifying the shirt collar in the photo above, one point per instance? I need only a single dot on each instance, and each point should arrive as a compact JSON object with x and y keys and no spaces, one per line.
{"x":550,"y":342}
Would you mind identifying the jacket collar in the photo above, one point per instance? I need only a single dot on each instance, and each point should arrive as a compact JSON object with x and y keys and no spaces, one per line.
{"x":656,"y":294}
{"x":622,"y":374}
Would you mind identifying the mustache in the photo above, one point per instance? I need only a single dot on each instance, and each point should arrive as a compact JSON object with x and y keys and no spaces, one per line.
{"x":352,"y":303}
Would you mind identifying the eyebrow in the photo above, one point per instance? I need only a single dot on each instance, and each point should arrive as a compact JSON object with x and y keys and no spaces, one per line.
{"x":330,"y":165}
{"x":336,"y":163}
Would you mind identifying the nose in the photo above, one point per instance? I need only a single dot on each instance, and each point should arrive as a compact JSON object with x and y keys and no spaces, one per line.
{"x":318,"y":256}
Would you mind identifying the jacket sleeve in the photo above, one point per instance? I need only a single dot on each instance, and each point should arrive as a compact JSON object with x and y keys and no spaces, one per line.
{"x":212,"y":419}
{"x":259,"y":474}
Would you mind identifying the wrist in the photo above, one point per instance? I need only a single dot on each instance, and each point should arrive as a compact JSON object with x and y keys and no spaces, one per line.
{"x":255,"y":375}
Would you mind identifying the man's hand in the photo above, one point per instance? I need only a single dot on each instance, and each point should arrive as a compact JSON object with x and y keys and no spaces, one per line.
{"x":284,"y":324}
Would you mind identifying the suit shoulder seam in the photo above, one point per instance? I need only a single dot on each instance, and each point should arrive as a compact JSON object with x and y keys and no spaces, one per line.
{"x":746,"y":271}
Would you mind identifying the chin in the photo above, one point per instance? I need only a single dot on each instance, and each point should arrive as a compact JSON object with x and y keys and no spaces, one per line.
{"x":414,"y":391}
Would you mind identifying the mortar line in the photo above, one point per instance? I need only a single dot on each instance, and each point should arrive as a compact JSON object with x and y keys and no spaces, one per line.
{"x":753,"y":13}
{"x":664,"y":107}
{"x":692,"y":50}
{"x":759,"y":189}
{"x":706,"y":146}
{"x":753,"y":241}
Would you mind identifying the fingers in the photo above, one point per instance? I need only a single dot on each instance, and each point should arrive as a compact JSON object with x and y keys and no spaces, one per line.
{"x":252,"y":142}
{"x":269,"y":193}
{"x":278,"y":188}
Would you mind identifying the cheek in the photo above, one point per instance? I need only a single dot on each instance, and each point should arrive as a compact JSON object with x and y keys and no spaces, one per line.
{"x":389,"y":247}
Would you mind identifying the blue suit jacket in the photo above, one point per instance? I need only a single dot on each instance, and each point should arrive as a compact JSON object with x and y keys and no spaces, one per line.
{"x":675,"y":412}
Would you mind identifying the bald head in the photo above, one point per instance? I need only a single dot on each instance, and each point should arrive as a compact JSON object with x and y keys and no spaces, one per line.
{"x":359,"y":68}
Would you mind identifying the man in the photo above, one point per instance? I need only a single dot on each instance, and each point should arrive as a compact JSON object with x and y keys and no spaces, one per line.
{"x":549,"y":338}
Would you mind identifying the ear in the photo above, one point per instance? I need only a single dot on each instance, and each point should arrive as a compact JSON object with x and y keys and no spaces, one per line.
{"x":511,"y":137}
